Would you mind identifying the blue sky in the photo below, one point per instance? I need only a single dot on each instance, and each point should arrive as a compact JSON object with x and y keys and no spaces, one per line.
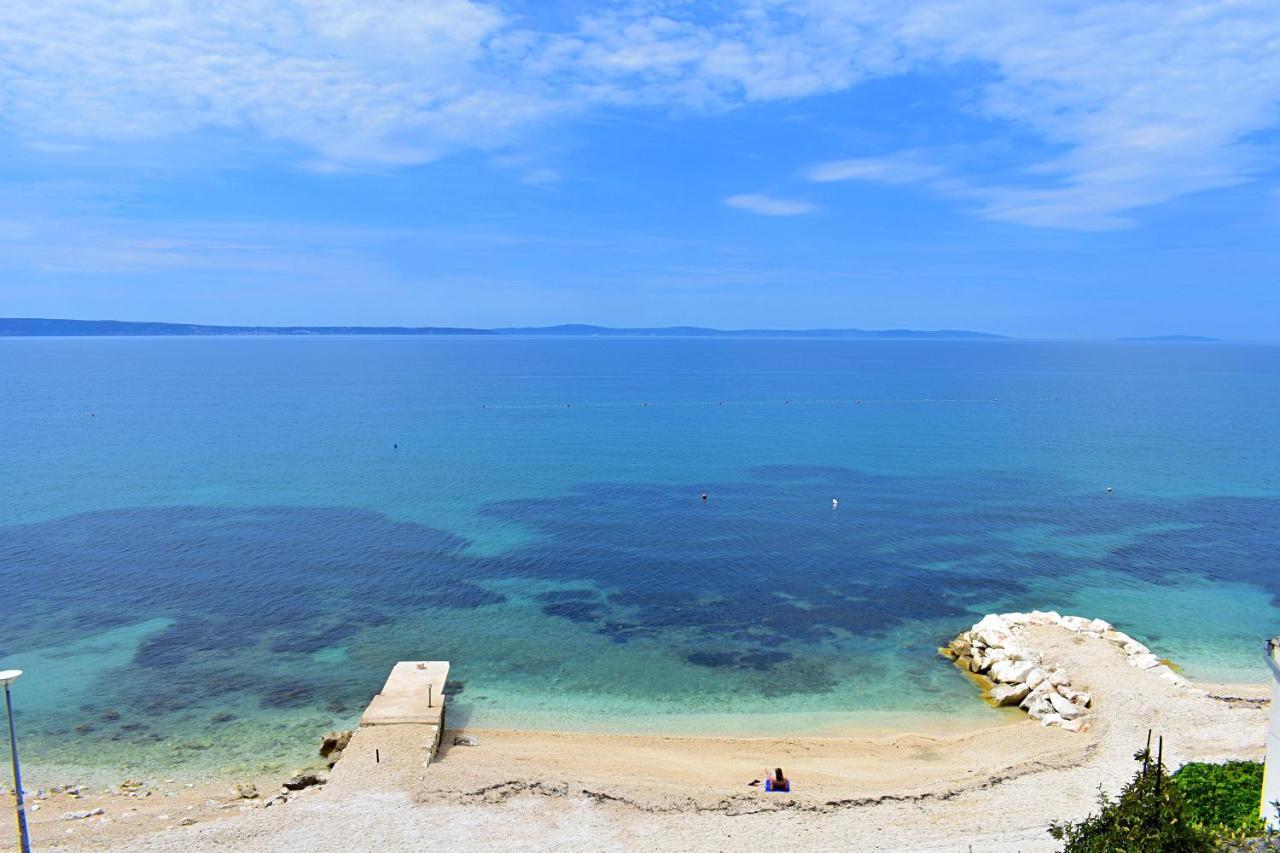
{"x":1042,"y":169}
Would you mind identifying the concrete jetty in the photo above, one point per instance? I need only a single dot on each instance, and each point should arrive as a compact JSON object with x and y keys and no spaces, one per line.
{"x":413,"y":695}
{"x":401,"y":728}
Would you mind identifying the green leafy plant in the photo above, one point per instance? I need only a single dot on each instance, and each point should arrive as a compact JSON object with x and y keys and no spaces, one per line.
{"x":1150,"y":816}
{"x":1223,"y":796}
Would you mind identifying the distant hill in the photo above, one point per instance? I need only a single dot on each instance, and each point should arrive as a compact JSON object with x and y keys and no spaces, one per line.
{"x":1190,"y":339}
{"x":20,"y":326}
{"x":703,"y":332}
{"x":39,"y":327}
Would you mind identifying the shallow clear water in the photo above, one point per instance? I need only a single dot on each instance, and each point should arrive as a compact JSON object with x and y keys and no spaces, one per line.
{"x":213,"y":549}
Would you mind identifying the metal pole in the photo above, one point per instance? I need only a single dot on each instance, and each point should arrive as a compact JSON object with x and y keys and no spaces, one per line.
{"x":1271,"y":770}
{"x":1160,"y":764}
{"x":23,"y":838}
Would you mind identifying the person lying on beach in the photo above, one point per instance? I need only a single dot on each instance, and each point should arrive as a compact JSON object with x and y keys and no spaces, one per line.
{"x":777,"y":782}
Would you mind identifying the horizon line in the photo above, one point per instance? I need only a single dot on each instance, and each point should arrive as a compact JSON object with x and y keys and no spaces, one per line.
{"x":73,"y":327}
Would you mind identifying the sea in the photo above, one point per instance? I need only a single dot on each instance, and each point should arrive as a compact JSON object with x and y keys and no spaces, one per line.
{"x":213,"y":549}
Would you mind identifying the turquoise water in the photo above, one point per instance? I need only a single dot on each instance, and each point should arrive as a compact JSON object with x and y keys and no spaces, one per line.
{"x":213,"y":549}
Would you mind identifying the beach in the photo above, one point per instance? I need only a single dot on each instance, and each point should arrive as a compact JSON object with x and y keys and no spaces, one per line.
{"x":239,"y":580}
{"x":995,"y":788}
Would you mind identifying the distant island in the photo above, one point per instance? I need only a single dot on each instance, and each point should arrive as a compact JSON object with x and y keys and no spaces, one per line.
{"x":1188,"y":339}
{"x":41,"y":327}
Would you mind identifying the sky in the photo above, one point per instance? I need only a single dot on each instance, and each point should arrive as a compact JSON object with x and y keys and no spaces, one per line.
{"x":1033,"y":168}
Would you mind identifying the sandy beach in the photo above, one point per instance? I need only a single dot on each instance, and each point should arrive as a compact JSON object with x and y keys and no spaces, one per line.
{"x":995,"y":788}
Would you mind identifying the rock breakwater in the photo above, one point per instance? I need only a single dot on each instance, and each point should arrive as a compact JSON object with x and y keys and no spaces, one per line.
{"x":999,"y":654}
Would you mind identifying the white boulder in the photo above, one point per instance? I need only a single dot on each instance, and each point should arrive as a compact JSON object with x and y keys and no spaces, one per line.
{"x":992,"y":621}
{"x":1040,"y":708}
{"x":993,"y":637}
{"x":1074,"y":623}
{"x":1064,"y":707}
{"x":1011,"y":672}
{"x":990,"y":657}
{"x":1008,"y":694}
{"x":1017,"y":651}
{"x":1147,"y":661}
{"x":1135,"y":648}
{"x":1044,"y":617}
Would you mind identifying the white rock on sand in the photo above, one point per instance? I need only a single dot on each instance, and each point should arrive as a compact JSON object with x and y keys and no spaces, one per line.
{"x":997,"y":648}
{"x":1065,"y":708}
{"x":1009,"y":694}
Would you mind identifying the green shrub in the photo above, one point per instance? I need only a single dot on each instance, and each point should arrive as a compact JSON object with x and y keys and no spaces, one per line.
{"x":1149,"y":816}
{"x":1223,"y":796}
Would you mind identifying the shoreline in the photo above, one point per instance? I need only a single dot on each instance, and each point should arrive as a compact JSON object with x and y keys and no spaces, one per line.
{"x":996,"y":787}
{"x":36,"y":775}
{"x":634,"y":781}
{"x":627,"y":770}
{"x":828,"y":725}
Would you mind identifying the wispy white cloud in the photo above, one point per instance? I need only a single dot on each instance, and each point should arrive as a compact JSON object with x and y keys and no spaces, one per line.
{"x":540,"y":177}
{"x":1137,"y":102}
{"x":1141,"y":102}
{"x":56,"y":147}
{"x":769,"y":206}
{"x":375,"y":81}
{"x":903,"y":168}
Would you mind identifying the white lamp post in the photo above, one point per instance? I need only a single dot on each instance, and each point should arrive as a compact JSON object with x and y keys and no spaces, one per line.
{"x":1271,"y":770}
{"x":9,"y":676}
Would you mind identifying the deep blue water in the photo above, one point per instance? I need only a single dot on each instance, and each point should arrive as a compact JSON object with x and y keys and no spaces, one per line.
{"x":213,"y":549}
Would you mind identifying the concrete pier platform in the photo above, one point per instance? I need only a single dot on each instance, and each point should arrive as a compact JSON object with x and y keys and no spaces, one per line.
{"x":413,"y":695}
{"x":400,"y":731}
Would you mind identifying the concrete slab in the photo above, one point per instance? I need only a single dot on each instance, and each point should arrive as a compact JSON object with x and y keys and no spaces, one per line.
{"x":413,"y":694}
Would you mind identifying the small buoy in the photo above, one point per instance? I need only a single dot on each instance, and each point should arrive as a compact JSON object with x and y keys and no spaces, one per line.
{"x":834,"y":503}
